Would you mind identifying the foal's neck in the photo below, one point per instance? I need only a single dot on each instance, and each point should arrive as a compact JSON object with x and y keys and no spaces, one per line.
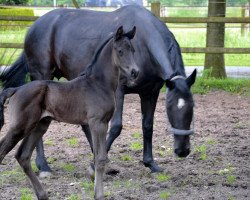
{"x":104,"y":71}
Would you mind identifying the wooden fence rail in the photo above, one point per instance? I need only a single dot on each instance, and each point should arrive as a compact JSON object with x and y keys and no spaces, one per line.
{"x":166,"y":20}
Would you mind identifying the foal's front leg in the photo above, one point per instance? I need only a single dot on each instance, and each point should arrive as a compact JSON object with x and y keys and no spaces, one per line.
{"x":99,"y":131}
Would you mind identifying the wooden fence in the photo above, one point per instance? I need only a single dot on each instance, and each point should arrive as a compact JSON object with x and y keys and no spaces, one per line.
{"x":156,"y":10}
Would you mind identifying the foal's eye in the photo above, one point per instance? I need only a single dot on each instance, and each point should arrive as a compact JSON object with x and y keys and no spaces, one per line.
{"x":120,"y":52}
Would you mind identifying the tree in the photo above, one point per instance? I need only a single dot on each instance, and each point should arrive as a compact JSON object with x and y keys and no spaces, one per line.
{"x":14,"y":2}
{"x":215,"y":38}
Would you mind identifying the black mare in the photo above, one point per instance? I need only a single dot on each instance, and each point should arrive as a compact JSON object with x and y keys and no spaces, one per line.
{"x":61,"y":43}
{"x":91,"y":101}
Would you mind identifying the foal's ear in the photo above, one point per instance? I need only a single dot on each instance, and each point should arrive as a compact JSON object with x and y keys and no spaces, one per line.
{"x":170,"y":84}
{"x":131,"y":33}
{"x":191,"y":79}
{"x":119,"y":33}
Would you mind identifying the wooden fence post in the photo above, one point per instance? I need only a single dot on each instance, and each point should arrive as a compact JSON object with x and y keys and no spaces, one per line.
{"x":156,"y":8}
{"x":243,"y":26}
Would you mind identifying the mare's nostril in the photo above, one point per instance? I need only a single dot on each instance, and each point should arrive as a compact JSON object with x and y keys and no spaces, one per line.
{"x":134,"y":73}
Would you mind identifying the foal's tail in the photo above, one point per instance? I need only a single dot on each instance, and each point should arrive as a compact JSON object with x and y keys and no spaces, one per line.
{"x":3,"y":96}
{"x":15,"y":75}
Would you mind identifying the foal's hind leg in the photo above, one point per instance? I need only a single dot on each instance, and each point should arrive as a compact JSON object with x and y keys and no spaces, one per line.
{"x":24,"y":153}
{"x":13,"y":136}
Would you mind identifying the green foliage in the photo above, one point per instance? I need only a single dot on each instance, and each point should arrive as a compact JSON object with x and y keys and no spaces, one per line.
{"x":14,"y":2}
{"x":231,"y":179}
{"x":88,"y":187}
{"x":73,"y":197}
{"x":136,"y":135}
{"x":15,"y":25}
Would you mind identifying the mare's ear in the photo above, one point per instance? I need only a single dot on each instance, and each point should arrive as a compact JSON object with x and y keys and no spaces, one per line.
{"x":119,"y":33}
{"x":191,"y":79}
{"x":170,"y":84}
{"x":131,"y":33}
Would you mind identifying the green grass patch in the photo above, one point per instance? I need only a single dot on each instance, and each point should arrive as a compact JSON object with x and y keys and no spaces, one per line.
{"x":231,"y":179}
{"x":49,"y":142}
{"x":73,"y":197}
{"x":164,"y":195}
{"x":202,"y":150}
{"x":68,"y":167}
{"x":73,"y":142}
{"x":88,"y":187}
{"x":126,"y":158}
{"x":12,"y":176}
{"x":136,"y":146}
{"x":136,"y":135}
{"x":26,"y":194}
{"x":34,"y":167}
{"x":51,"y":160}
{"x":231,"y":85}
{"x":162,"y":177}
{"x":211,"y":142}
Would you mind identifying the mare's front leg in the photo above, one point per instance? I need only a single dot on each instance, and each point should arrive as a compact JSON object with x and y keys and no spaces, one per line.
{"x":116,"y":121}
{"x":24,"y":153}
{"x":99,"y":132}
{"x":148,"y":104}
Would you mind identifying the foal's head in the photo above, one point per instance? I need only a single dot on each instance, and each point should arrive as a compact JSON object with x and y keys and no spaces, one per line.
{"x":123,"y":54}
{"x":180,"y":111}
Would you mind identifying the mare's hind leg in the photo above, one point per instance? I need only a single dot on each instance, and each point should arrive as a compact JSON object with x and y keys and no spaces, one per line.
{"x":39,"y":68}
{"x":99,"y":132}
{"x":24,"y":153}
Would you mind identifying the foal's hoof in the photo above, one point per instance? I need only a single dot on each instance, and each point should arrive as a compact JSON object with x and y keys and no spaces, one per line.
{"x":91,"y":172}
{"x":45,"y":174}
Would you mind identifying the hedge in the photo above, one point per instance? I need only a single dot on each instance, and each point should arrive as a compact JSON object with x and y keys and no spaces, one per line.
{"x":13,"y":25}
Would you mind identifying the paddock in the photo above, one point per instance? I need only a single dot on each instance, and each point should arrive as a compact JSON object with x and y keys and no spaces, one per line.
{"x":217,"y":168}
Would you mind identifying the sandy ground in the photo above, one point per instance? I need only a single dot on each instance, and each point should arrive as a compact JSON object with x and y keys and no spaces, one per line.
{"x":217,"y":168}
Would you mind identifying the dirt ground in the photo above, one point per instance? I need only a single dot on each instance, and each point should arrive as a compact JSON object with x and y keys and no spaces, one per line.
{"x":217,"y":168}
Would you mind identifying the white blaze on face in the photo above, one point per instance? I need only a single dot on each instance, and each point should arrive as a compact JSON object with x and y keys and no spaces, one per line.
{"x":181,"y":103}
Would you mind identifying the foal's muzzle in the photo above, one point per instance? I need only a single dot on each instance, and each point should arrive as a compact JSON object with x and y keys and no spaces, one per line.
{"x":134,"y":73}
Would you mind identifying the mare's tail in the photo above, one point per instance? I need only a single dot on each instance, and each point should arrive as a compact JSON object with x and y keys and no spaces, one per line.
{"x":3,"y":96}
{"x":15,"y":75}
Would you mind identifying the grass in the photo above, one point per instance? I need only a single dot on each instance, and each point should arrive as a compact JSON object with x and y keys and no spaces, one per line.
{"x":49,"y":142}
{"x":12,"y":176}
{"x":126,"y":158}
{"x":68,"y":167}
{"x":73,"y":142}
{"x":202,"y":150}
{"x":26,"y":194}
{"x":73,"y":197}
{"x":162,"y":177}
{"x":231,"y":85}
{"x":165,"y":195}
{"x":136,"y":146}
{"x":231,"y":179}
{"x":88,"y":187}
{"x":136,"y":135}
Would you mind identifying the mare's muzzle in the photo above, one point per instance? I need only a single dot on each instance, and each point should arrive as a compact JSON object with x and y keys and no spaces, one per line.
{"x":134,"y":73}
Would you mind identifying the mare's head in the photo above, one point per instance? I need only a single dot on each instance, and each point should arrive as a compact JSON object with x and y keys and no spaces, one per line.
{"x":180,"y":111}
{"x":123,"y":54}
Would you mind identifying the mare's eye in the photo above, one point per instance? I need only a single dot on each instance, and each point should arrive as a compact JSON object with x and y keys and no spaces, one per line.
{"x":120,"y":52}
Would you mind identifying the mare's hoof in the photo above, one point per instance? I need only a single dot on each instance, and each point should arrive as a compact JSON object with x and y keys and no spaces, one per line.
{"x":45,"y":174}
{"x":154,"y":167}
{"x":43,"y":196}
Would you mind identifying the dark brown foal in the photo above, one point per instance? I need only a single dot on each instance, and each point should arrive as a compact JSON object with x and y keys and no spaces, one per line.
{"x":88,"y":99}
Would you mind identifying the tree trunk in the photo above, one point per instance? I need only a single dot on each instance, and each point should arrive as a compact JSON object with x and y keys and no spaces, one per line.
{"x":215,"y":38}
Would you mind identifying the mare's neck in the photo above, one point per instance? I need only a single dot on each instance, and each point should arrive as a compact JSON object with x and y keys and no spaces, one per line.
{"x":104,"y":71}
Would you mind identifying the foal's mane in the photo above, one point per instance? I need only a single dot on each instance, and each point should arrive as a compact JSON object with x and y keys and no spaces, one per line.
{"x":98,"y":50}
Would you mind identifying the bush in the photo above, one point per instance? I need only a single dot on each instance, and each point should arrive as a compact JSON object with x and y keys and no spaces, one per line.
{"x":13,"y":25}
{"x":14,"y":2}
